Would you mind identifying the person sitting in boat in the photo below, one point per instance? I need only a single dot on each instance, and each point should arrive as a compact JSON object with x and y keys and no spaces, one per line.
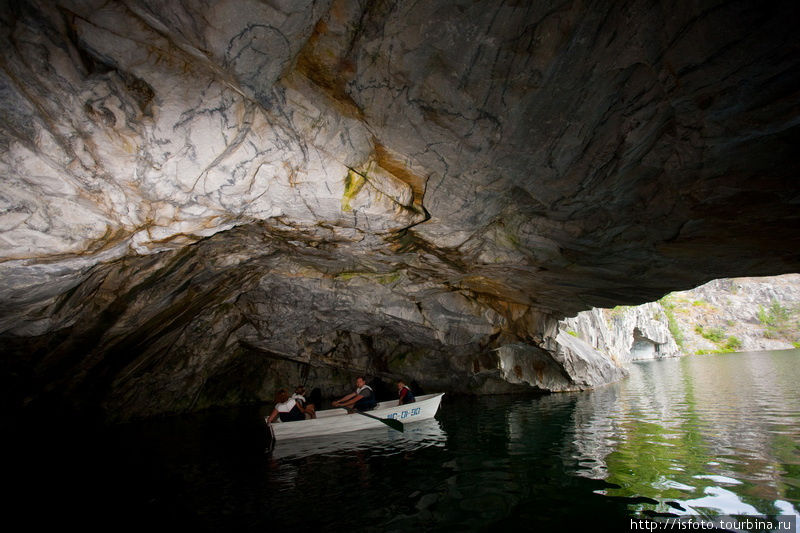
{"x":404,"y":394}
{"x":362,"y":399}
{"x":300,"y":397}
{"x":287,"y":409}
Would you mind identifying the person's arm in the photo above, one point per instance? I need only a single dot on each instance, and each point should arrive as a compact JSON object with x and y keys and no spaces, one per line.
{"x":300,"y":404}
{"x":337,"y":403}
{"x":352,"y":401}
{"x":305,"y":408}
{"x":272,"y":416}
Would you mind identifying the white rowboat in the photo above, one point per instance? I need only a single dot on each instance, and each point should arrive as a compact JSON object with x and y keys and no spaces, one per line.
{"x":333,"y":421}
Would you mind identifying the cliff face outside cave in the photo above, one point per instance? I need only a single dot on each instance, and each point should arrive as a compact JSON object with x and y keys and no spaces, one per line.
{"x":203,"y":201}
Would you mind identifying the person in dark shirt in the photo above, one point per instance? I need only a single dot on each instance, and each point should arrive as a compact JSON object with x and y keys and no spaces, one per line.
{"x":306,"y":405}
{"x":404,"y":394}
{"x":362,"y":399}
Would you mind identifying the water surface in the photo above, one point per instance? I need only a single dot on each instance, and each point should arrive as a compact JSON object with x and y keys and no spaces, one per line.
{"x":695,"y":435}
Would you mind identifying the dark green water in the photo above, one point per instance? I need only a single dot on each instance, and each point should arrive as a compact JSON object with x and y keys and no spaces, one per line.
{"x":700,"y":435}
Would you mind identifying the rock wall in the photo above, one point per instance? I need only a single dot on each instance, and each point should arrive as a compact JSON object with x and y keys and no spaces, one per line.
{"x":240,"y":314}
{"x":739,"y":314}
{"x":623,"y":334}
{"x":725,"y":315}
{"x":202,"y":200}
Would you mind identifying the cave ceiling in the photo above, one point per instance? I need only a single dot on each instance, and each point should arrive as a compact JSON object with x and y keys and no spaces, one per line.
{"x":286,"y":175}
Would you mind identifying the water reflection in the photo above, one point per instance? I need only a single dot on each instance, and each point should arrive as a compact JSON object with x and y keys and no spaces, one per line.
{"x":378,"y":441}
{"x":717,"y":434}
{"x":699,"y":435}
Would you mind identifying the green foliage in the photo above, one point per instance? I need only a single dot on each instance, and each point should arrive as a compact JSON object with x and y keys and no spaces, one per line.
{"x":725,"y":349}
{"x":675,"y":303}
{"x":668,"y":305}
{"x":774,"y":315}
{"x":675,"y":329}
{"x":573,"y":333}
{"x":704,"y":304}
{"x":716,"y":335}
{"x":733,"y":343}
{"x":618,"y":311}
{"x":780,"y":321}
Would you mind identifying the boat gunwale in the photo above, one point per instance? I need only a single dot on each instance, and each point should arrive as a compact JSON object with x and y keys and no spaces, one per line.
{"x":328,"y":415}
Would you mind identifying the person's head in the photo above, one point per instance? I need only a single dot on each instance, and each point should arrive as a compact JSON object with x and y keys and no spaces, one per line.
{"x":300,"y":390}
{"x":281,"y":396}
{"x":400,"y":383}
{"x":360,"y":381}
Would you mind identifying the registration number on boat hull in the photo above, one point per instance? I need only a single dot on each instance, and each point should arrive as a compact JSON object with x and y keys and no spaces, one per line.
{"x":405,"y":413}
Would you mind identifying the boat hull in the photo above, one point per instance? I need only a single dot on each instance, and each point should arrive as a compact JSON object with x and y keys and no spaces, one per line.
{"x":334,"y":421}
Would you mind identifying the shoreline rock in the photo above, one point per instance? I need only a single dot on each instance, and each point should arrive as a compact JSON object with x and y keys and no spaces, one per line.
{"x":725,"y":315}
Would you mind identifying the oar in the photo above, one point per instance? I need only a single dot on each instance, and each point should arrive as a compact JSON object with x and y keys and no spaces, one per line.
{"x":271,"y":435}
{"x":391,"y":422}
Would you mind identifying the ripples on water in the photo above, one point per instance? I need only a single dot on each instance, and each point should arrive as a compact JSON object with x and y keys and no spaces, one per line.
{"x":699,"y":435}
{"x":710,"y":434}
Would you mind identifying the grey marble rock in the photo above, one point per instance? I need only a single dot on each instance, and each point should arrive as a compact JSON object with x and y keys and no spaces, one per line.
{"x":201,"y":200}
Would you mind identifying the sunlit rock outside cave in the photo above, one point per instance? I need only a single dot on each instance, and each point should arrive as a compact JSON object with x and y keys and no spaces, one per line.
{"x":528,"y":206}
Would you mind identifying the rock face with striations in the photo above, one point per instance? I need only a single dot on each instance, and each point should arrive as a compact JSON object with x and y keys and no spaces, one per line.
{"x":201,"y":201}
{"x":739,"y":314}
{"x":624,"y":334}
{"x":723,"y":315}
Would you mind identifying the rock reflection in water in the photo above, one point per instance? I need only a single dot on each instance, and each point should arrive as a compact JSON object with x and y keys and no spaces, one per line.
{"x":713,"y":434}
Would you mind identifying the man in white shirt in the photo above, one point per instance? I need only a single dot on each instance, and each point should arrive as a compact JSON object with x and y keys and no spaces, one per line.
{"x":362,"y":399}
